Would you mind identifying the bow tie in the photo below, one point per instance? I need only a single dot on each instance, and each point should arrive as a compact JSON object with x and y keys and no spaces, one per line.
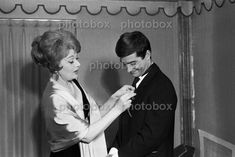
{"x":135,"y":81}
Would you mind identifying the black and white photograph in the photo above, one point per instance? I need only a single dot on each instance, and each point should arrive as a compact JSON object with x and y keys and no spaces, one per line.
{"x":117,"y":78}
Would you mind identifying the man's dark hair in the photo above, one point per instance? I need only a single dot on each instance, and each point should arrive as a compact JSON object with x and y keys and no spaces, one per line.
{"x":131,"y":42}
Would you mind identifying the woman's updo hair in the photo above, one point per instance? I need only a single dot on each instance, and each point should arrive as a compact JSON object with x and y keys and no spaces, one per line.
{"x":51,"y":47}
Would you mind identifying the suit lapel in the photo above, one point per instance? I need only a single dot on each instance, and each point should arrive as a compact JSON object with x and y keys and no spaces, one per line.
{"x":154,"y":70}
{"x":141,"y":90}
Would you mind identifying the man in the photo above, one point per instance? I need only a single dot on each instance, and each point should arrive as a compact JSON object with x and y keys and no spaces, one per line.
{"x":147,"y":128}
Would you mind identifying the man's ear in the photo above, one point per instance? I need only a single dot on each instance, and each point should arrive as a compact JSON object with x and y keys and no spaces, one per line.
{"x":148,"y":55}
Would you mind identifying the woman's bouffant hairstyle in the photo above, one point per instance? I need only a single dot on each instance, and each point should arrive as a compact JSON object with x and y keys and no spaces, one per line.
{"x":131,"y":42}
{"x":51,"y":47}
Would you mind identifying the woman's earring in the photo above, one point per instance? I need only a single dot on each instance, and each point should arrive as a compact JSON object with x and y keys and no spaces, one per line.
{"x":56,"y":75}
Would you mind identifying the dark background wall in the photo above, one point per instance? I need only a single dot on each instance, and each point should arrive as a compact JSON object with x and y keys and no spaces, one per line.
{"x":213,"y":47}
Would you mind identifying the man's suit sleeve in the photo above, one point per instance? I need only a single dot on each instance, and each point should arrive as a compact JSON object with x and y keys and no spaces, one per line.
{"x":158,"y":125}
{"x":115,"y":142}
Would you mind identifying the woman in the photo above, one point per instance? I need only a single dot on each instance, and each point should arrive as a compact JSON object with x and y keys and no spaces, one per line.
{"x":73,"y":122}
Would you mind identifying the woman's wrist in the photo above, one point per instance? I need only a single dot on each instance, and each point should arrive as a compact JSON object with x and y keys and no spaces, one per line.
{"x":108,"y":105}
{"x":113,"y":99}
{"x":118,"y":108}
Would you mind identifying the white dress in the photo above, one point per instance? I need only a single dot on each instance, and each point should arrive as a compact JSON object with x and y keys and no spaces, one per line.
{"x":65,"y":122}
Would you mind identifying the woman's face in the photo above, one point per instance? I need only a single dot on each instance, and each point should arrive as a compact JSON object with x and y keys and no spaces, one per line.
{"x":70,"y":66}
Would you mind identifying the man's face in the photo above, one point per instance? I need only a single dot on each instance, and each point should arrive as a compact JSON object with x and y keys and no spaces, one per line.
{"x":136,"y":66}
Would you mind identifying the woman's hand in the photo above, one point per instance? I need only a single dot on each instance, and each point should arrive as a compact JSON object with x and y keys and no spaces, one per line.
{"x":124,"y":102}
{"x":123,"y":90}
{"x":113,"y":100}
{"x":100,"y":125}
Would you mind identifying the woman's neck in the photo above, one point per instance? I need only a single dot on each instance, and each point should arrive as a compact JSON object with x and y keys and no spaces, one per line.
{"x":65,"y":83}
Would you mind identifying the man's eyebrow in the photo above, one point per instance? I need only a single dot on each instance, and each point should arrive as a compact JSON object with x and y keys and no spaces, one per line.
{"x":131,"y":62}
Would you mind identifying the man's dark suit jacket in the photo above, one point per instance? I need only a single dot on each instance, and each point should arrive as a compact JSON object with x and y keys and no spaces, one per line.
{"x":147,"y":129}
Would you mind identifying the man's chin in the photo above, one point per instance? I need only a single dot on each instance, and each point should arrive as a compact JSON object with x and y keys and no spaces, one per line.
{"x":135,"y":74}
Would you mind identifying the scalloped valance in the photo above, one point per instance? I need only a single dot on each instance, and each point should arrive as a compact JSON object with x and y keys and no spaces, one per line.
{"x":133,"y":8}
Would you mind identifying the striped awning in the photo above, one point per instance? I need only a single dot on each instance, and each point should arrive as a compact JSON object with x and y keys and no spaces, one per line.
{"x":73,"y":7}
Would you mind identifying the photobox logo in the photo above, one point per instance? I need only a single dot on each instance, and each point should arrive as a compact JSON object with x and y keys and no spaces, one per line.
{"x":97,"y":65}
{"x":150,"y":107}
{"x":153,"y":24}
{"x":85,"y":24}
{"x":153,"y":106}
{"x":78,"y":107}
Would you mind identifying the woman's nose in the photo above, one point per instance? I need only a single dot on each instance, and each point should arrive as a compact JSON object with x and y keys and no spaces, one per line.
{"x":78,"y":64}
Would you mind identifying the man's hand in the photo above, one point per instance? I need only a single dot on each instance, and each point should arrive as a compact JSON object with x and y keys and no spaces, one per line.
{"x":113,"y":152}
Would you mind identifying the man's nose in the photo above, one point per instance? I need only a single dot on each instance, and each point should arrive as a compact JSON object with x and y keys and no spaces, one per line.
{"x":129,"y":68}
